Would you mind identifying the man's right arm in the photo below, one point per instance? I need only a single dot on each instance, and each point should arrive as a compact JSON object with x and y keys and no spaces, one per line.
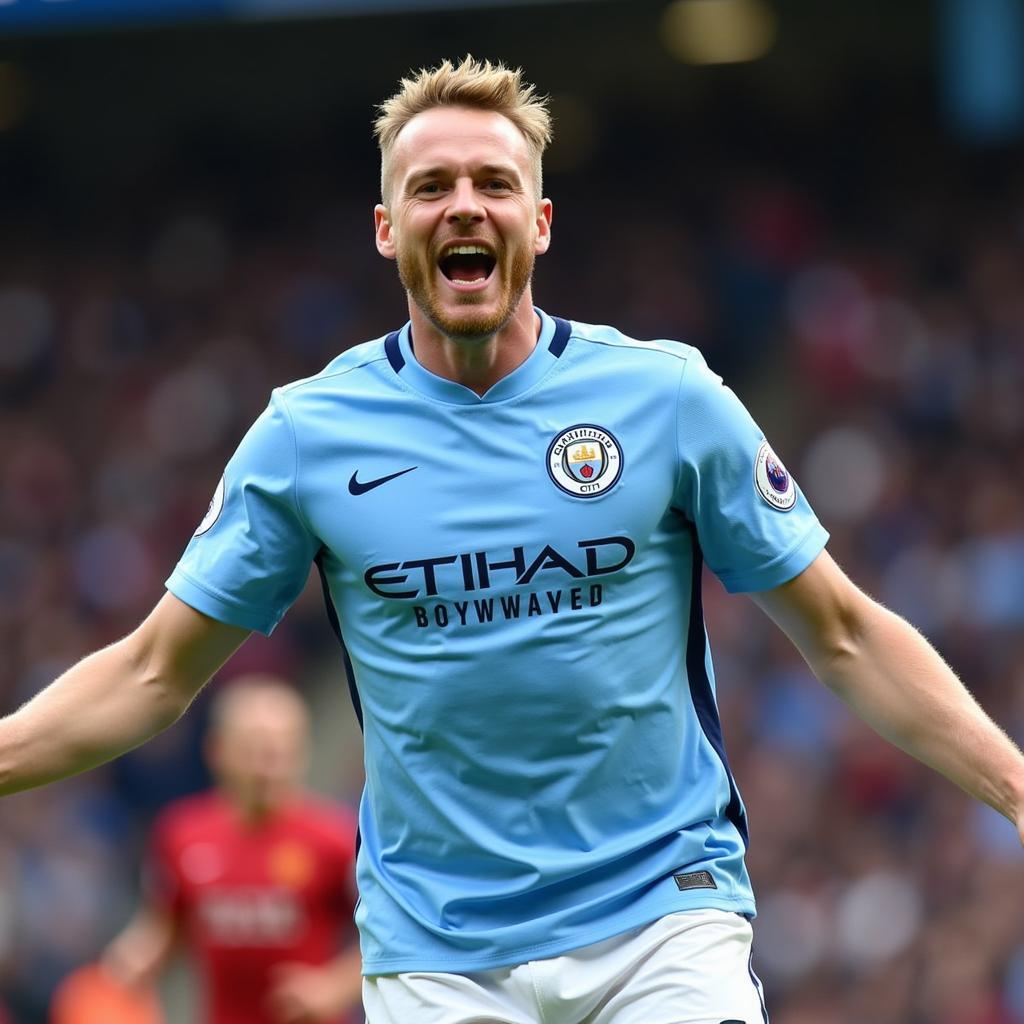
{"x":115,"y":699}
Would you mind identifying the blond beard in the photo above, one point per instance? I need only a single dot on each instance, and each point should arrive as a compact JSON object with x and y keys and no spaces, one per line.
{"x":416,"y":280}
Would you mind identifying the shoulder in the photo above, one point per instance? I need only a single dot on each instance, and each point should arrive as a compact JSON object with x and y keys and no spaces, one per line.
{"x":317,"y":407}
{"x":329,"y":821}
{"x":659,"y":351}
{"x":662,"y":366}
{"x":348,"y":369}
{"x":189,"y":818}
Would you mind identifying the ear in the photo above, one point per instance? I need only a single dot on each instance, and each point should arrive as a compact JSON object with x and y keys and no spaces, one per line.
{"x":382,"y":231}
{"x":542,"y":237}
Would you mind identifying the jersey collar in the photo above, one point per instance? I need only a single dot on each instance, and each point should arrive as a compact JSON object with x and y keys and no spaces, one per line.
{"x":554,"y":333}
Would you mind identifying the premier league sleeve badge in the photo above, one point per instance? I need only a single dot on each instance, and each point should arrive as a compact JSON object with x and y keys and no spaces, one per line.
{"x":772,"y":479}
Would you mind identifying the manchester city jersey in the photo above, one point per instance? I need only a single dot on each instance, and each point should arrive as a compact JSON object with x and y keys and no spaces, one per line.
{"x":517,"y":580}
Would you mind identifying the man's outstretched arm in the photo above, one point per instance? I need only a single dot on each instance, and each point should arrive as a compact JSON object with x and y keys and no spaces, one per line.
{"x":116,"y":698}
{"x":896,"y":681}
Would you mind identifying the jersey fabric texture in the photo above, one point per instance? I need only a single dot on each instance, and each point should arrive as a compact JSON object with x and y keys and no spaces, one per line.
{"x":249,"y":897}
{"x":517,"y":580}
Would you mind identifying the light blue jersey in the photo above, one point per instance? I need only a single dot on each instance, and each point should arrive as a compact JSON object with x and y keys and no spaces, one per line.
{"x":517,"y":581}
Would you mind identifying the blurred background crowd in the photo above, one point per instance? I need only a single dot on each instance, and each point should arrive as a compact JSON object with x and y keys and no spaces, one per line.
{"x":832,"y":210}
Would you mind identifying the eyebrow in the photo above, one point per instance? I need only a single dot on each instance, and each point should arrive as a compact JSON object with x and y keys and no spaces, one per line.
{"x":499,"y":170}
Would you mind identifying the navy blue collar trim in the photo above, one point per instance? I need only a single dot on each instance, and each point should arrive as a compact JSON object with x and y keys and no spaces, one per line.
{"x":558,"y":342}
{"x":394,"y":352}
{"x":561,"y":337}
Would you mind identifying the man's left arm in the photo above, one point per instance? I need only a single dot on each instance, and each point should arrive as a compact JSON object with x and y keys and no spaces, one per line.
{"x":894,"y":679}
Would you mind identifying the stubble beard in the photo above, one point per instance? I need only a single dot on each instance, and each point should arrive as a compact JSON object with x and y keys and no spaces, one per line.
{"x":473,"y":325}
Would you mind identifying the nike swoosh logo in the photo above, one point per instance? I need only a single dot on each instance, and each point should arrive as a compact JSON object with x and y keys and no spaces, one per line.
{"x":355,"y":487}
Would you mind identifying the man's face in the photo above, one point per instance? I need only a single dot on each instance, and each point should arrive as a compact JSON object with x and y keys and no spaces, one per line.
{"x":463,"y":222}
{"x":259,"y":752}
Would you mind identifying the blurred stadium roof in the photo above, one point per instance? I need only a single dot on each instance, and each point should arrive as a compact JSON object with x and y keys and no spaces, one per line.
{"x":63,"y":15}
{"x":91,"y":114}
{"x":613,"y":52}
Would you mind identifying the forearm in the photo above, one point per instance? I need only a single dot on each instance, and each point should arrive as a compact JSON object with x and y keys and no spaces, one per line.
{"x":896,"y":681}
{"x":104,"y":705}
{"x":114,"y":699}
{"x":892,"y":677}
{"x":136,"y":957}
{"x":303,"y":994}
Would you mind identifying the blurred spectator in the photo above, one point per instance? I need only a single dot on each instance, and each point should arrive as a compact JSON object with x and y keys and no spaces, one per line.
{"x":255,"y":877}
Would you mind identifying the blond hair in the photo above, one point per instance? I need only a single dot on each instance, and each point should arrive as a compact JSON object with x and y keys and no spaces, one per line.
{"x":480,"y":85}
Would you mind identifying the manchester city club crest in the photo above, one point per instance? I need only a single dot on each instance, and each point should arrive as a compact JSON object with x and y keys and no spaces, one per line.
{"x":584,"y":461}
{"x":772,"y":479}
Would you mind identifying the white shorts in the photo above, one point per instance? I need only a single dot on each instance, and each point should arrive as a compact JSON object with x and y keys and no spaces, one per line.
{"x":686,"y":968}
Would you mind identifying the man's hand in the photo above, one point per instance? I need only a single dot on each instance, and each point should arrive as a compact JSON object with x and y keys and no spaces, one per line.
{"x":301,"y":994}
{"x":135,"y":958}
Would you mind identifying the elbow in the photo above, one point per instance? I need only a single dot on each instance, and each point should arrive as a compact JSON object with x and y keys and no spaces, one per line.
{"x":840,"y":645}
{"x":845,"y":647}
{"x":833,"y":664}
{"x":166,"y":697}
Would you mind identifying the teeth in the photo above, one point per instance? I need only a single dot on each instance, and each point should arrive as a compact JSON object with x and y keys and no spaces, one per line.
{"x":466,"y":250}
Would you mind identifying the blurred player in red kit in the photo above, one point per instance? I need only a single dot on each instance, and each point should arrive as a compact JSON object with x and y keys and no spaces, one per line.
{"x":254,"y":878}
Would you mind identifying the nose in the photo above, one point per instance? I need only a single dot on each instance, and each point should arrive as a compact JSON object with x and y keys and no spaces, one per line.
{"x":464,"y":204}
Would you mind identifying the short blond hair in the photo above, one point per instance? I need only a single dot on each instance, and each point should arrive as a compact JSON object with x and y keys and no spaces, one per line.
{"x":480,"y":85}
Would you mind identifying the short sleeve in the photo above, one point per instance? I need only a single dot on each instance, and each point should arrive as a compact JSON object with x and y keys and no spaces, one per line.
{"x":755,"y":527}
{"x":250,"y":557}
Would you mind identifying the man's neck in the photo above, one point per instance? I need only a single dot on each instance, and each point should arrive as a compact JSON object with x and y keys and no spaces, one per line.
{"x":481,"y":363}
{"x":255,"y":812}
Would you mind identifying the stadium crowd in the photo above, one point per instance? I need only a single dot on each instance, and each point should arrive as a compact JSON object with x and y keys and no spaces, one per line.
{"x":882,"y":353}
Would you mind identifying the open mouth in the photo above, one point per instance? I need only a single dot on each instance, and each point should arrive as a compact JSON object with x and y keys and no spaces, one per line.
{"x":467,"y":264}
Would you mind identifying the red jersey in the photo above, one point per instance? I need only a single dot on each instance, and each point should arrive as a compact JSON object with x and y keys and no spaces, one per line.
{"x":251,"y":896}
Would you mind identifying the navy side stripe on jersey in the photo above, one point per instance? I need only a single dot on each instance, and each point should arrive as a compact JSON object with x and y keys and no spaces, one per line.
{"x":332,"y":617}
{"x":700,"y":687}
